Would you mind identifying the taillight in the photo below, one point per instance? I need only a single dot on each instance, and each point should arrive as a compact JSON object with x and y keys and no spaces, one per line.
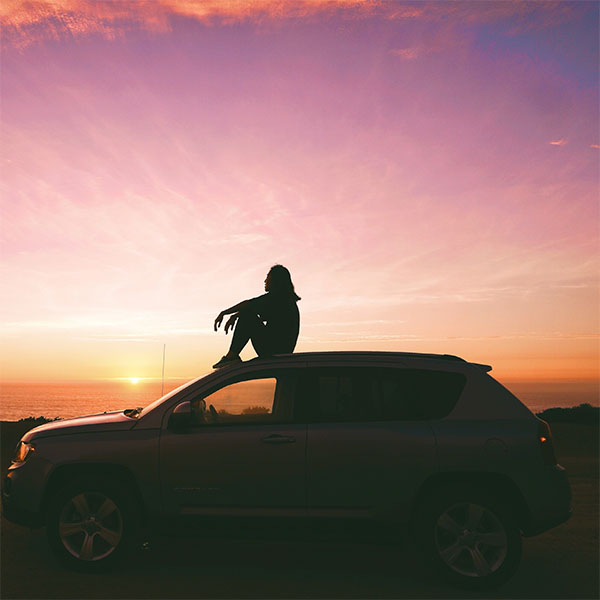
{"x":545,"y":442}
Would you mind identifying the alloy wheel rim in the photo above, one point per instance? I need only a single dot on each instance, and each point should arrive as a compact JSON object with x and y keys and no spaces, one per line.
{"x":90,"y":526}
{"x":471,"y":540}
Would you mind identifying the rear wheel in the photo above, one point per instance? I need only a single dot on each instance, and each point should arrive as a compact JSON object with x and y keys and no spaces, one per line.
{"x":91,"y":526}
{"x":470,"y":538}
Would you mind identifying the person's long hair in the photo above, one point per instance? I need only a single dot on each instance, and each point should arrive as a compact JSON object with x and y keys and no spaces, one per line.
{"x":281,"y":282}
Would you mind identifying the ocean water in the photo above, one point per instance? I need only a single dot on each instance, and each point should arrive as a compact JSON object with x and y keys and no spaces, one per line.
{"x":70,"y":399}
{"x":76,"y":398}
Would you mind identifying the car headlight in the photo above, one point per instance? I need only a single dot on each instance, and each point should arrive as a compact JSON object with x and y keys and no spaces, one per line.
{"x":22,"y":451}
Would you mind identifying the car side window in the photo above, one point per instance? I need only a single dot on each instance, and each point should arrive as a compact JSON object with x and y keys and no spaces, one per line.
{"x":373,"y":394}
{"x":251,"y":401}
{"x":418,"y":394}
{"x":344,"y":395}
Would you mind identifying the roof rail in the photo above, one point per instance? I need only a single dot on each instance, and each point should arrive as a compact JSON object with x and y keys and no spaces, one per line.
{"x":334,"y":353}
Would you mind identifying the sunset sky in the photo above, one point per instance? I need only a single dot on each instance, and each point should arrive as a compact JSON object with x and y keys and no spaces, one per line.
{"x":427,"y":171}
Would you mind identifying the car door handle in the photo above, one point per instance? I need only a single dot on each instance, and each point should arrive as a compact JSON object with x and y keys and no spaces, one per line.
{"x":275,"y":438}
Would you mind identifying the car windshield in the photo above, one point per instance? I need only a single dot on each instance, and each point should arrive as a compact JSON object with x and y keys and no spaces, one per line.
{"x":154,"y":404}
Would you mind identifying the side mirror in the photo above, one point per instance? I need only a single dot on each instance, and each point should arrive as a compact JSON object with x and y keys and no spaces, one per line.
{"x":181,"y":417}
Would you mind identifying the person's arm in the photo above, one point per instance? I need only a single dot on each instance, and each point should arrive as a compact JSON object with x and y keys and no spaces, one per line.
{"x":233,"y":309}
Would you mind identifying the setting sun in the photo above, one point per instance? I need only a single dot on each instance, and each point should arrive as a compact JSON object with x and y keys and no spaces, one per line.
{"x":134,"y":379}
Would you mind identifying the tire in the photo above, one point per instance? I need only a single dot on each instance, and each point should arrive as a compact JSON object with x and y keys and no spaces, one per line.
{"x":91,"y":525}
{"x":469,"y":537}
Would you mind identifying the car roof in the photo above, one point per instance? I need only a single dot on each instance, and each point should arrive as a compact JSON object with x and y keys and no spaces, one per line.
{"x":364,"y":356}
{"x":356,"y":354}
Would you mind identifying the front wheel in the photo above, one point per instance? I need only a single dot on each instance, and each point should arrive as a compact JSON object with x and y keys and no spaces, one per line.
{"x":90,"y":526}
{"x":470,"y":538}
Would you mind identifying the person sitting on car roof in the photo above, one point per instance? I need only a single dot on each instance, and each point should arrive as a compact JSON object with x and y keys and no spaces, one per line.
{"x":271,"y":321}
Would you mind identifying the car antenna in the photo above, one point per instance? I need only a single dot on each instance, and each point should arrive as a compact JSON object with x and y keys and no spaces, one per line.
{"x":162,"y":389}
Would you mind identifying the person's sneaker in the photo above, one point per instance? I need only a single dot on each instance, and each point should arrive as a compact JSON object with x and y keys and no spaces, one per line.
{"x":225,"y":362}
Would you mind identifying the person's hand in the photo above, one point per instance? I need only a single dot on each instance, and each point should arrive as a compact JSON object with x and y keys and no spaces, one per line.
{"x":218,"y":321}
{"x":231,"y":322}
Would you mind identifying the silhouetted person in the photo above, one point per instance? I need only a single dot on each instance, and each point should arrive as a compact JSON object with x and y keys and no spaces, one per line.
{"x":271,"y":321}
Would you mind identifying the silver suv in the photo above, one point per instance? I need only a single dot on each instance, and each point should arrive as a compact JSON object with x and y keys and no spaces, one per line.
{"x":431,"y":441}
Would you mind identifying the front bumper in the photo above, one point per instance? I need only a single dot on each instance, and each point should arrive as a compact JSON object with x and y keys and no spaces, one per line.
{"x":17,"y":515}
{"x":20,"y":498}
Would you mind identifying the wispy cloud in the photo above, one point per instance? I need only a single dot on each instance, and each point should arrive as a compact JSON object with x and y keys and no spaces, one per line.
{"x":364,"y":336}
{"x":88,"y":329}
{"x":26,"y":22}
{"x":407,"y":53}
{"x":357,"y":323}
{"x":560,"y":142}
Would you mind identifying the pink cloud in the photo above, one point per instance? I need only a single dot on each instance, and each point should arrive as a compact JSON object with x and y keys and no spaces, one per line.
{"x":561,"y":142}
{"x":597,"y":146}
{"x":407,"y":53}
{"x":27,"y":22}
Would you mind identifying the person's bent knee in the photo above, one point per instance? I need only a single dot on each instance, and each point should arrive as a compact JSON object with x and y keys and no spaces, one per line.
{"x":249,"y":321}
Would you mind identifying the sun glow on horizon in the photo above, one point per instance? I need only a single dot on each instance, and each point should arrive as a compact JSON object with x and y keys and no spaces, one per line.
{"x":134,"y":380}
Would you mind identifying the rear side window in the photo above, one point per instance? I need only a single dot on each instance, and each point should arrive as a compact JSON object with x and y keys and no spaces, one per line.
{"x":364,"y":394}
{"x":419,"y":394}
{"x":346,"y":397}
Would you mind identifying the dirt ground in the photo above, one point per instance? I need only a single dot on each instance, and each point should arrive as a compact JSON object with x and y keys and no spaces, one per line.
{"x":562,"y":563}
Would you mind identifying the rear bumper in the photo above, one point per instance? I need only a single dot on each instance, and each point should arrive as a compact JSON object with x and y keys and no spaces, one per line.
{"x":552,"y":504}
{"x":539,"y":526}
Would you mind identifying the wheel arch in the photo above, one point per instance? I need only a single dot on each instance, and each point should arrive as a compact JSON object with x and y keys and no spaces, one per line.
{"x":497,"y":484}
{"x":97,"y":472}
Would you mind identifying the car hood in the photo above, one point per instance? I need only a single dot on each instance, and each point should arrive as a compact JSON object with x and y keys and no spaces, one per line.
{"x":111,"y":421}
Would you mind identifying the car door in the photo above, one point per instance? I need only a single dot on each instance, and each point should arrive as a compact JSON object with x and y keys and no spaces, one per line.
{"x":243,"y":453}
{"x":362,"y":459}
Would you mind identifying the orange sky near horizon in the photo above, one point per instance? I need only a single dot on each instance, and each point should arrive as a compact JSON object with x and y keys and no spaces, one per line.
{"x":428,"y":171}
